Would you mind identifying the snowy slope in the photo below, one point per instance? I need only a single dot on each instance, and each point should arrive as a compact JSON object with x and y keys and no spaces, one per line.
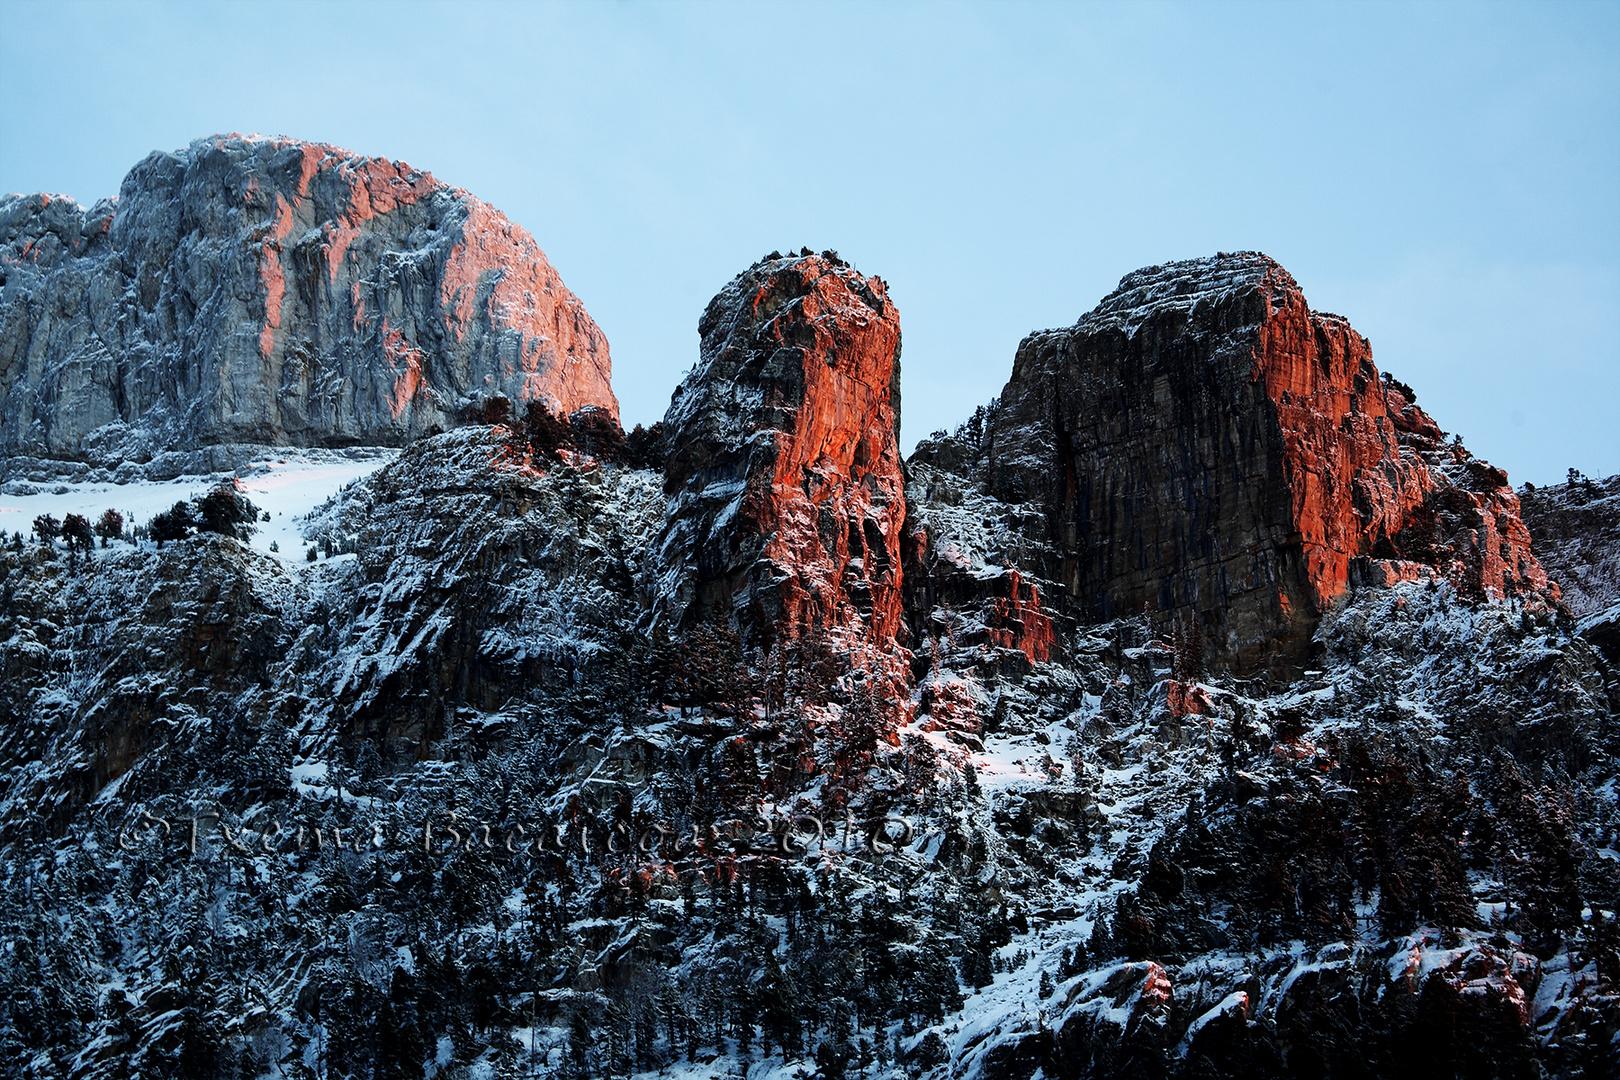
{"x":1111,"y":868}
{"x":287,"y":486}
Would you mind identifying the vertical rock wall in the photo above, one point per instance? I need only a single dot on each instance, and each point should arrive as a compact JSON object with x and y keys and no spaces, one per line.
{"x":1202,"y":441}
{"x":787,"y":499}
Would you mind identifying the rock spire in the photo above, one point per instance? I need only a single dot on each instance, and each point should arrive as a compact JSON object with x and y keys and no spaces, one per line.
{"x":787,"y":499}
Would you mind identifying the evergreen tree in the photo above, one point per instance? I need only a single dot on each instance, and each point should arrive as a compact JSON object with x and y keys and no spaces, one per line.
{"x":223,"y":510}
{"x":777,"y":1001}
{"x":544,"y":431}
{"x":174,"y":523}
{"x":77,"y":532}
{"x":47,"y":528}
{"x":596,"y":434}
{"x":496,"y":409}
{"x":109,"y":526}
{"x":197,"y":1055}
{"x":706,"y":667}
{"x":581,"y":1041}
{"x":645,"y":448}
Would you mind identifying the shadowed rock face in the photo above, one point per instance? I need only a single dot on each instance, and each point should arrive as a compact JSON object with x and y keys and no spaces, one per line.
{"x":258,"y":290}
{"x":1576,"y":526}
{"x":787,"y":500}
{"x":1202,"y":441}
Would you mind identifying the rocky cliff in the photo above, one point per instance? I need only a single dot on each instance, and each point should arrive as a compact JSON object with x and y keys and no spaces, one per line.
{"x":250,"y":290}
{"x":787,"y":500}
{"x":1204,"y":442}
{"x":440,"y":804}
{"x":1576,"y":530}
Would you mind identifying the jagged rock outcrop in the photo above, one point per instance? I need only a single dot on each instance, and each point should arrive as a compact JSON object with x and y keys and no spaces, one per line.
{"x":1113,"y":1023}
{"x":1204,"y":442}
{"x":477,"y":570}
{"x":963,"y":579}
{"x":159,"y":639}
{"x":473,"y":573}
{"x":787,"y":499}
{"x":1575,"y":533}
{"x":251,"y":290}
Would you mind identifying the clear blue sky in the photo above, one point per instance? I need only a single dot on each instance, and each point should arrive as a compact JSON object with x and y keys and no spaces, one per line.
{"x":1446,"y":176}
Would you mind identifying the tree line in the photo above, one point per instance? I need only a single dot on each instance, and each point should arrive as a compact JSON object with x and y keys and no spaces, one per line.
{"x":222,"y":510}
{"x":589,"y":432}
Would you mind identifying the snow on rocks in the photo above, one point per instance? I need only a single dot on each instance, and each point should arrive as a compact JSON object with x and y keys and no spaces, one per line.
{"x":287,"y":484}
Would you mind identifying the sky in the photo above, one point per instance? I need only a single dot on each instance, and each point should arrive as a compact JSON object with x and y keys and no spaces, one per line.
{"x":1447,"y":176}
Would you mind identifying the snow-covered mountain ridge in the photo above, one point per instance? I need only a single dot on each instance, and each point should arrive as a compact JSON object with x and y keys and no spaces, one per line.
{"x":1130,"y":855}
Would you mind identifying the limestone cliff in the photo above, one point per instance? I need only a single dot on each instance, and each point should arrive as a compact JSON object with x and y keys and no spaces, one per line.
{"x":787,"y":500}
{"x":268,"y":291}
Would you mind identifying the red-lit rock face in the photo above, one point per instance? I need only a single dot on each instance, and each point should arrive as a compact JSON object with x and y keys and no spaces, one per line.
{"x":1016,"y":620}
{"x":1203,"y":440}
{"x":784,"y":471}
{"x":977,"y":607}
{"x":1468,"y":527}
{"x":272,"y":291}
{"x":1347,"y":480}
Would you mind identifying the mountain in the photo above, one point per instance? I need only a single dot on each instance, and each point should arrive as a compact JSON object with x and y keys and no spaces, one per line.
{"x":1204,"y":443}
{"x":1196,"y":709}
{"x":252,"y":291}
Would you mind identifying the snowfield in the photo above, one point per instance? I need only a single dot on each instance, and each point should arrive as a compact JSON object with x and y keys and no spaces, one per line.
{"x":287,"y":487}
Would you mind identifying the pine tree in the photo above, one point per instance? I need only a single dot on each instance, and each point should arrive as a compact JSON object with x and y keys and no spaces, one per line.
{"x":496,"y":409}
{"x":1187,"y":647}
{"x":223,"y":510}
{"x":77,"y":532}
{"x":777,"y":1001}
{"x":596,"y":434}
{"x":174,"y":523}
{"x":47,"y":529}
{"x":109,"y":526}
{"x":544,"y":431}
{"x":197,"y":1055}
{"x":581,"y":1040}
{"x":644,"y":448}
